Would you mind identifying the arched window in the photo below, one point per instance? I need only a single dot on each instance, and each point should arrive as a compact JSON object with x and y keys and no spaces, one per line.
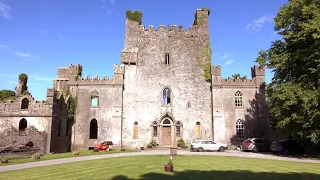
{"x":240,"y":129}
{"x":198,"y":129}
{"x":25,"y":103}
{"x":155,"y":128}
{"x":93,"y":129}
{"x":166,"y":121}
{"x":94,"y":99}
{"x":59,"y":128}
{"x":23,"y":124}
{"x":135,"y":130}
{"x":178,"y":128}
{"x":238,"y":99}
{"x":166,"y":96}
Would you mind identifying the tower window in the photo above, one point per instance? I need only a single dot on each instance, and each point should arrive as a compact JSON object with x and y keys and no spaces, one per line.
{"x":167,"y":59}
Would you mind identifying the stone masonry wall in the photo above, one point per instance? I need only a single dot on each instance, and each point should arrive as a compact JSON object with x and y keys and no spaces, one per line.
{"x":145,"y":81}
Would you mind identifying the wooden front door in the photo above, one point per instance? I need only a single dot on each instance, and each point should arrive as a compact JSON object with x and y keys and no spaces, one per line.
{"x":166,"y":135}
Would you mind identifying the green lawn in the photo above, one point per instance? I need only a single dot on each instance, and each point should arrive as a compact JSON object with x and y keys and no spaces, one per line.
{"x":185,"y":167}
{"x":62,"y":155}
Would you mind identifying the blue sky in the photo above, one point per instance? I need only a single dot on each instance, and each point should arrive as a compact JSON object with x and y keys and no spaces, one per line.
{"x":38,"y":36}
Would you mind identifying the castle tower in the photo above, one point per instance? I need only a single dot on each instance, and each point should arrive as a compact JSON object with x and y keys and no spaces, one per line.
{"x":22,"y":84}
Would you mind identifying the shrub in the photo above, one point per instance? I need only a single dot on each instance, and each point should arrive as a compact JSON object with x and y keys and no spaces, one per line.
{"x":76,"y":153}
{"x":36,"y":156}
{"x":181,"y":143}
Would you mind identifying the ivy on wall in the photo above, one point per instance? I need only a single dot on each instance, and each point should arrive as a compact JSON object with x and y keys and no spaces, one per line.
{"x":134,"y":16}
{"x":23,"y":77}
{"x":71,"y":106}
{"x":204,"y":61}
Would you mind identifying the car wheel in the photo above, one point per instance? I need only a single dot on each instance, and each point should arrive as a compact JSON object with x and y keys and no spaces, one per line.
{"x":221,"y":149}
{"x":255,"y":149}
{"x":200,"y":150}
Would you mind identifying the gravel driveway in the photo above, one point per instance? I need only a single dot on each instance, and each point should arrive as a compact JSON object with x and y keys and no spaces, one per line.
{"x":153,"y":152}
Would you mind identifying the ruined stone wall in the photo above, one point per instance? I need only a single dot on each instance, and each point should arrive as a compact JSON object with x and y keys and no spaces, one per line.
{"x":146,"y":75}
{"x":107,"y":113}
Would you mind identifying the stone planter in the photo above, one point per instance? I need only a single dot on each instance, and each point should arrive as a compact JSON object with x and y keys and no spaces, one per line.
{"x":168,"y":168}
{"x":173,"y":151}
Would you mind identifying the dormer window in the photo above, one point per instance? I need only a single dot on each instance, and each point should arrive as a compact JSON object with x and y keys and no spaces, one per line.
{"x":167,"y":59}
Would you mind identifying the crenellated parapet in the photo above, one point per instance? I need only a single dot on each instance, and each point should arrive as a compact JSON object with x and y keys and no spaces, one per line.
{"x":258,"y":75}
{"x":118,"y":69}
{"x":70,"y":72}
{"x":115,"y":80}
{"x":136,"y":31}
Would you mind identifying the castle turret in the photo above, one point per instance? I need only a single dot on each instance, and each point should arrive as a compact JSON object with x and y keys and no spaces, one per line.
{"x":258,"y":74}
{"x":22,"y":84}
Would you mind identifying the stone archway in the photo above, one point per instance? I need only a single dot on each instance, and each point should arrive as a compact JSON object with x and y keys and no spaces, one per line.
{"x":167,"y":134}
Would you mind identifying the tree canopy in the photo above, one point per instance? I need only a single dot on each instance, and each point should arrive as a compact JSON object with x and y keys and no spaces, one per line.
{"x":7,"y":94}
{"x":235,"y":76}
{"x":294,"y":93}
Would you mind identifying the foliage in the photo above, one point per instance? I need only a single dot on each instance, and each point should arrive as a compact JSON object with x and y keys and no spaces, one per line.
{"x":76,"y":153}
{"x":134,"y":16}
{"x":235,"y":76}
{"x":204,"y":61}
{"x":71,"y":107}
{"x":181,"y":143}
{"x":7,"y":95}
{"x":152,"y":143}
{"x":23,"y":77}
{"x":206,"y":9}
{"x":294,"y":93}
{"x":80,"y":71}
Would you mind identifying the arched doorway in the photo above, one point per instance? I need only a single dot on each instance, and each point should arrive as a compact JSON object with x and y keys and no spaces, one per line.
{"x":23,"y":124}
{"x":167,"y":131}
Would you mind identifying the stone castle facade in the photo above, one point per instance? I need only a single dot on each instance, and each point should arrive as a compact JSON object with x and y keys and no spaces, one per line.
{"x":165,"y":89}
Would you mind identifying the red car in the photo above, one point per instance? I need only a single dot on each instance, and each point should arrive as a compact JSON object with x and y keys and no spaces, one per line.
{"x":103,"y":147}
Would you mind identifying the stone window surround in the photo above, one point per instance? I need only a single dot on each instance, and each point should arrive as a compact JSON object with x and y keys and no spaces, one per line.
{"x":239,"y":129}
{"x":162,"y":97}
{"x":94,"y":95}
{"x":238,"y":99}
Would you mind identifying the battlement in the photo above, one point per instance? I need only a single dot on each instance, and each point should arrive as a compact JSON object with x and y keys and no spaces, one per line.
{"x":117,"y":69}
{"x":114,"y":80}
{"x":136,"y":30}
{"x":258,"y":71}
{"x":70,"y":72}
{"x":217,"y":80}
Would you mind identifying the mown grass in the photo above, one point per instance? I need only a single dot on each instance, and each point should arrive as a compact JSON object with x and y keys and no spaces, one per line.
{"x":61,"y":155}
{"x":185,"y":167}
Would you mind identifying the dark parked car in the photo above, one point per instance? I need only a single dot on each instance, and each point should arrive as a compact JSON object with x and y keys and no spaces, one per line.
{"x":256,"y":144}
{"x":287,"y":146}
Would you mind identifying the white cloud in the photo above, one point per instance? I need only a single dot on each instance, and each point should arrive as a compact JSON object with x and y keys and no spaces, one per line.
{"x":229,"y":62}
{"x":225,"y":56}
{"x":5,"y":11}
{"x":259,"y":23}
{"x":21,"y":54}
{"x":108,"y":6}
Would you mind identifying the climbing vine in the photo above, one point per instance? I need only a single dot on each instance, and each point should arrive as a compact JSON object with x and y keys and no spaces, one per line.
{"x":134,"y":16}
{"x":71,"y":106}
{"x":206,"y":63}
{"x":23,"y":77}
{"x":206,"y":9}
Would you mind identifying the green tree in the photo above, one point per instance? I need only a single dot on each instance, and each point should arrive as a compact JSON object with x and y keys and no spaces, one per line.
{"x":294,"y":93}
{"x":235,"y":76}
{"x":7,"y":94}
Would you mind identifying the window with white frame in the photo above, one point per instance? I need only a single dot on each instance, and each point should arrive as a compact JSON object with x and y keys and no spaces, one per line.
{"x":240,"y":129}
{"x":238,"y":99}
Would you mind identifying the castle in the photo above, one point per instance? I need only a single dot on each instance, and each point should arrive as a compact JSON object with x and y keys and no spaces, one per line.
{"x":165,"y":89}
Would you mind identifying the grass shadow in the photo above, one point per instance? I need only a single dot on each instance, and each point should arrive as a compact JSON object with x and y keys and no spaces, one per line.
{"x":215,"y":174}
